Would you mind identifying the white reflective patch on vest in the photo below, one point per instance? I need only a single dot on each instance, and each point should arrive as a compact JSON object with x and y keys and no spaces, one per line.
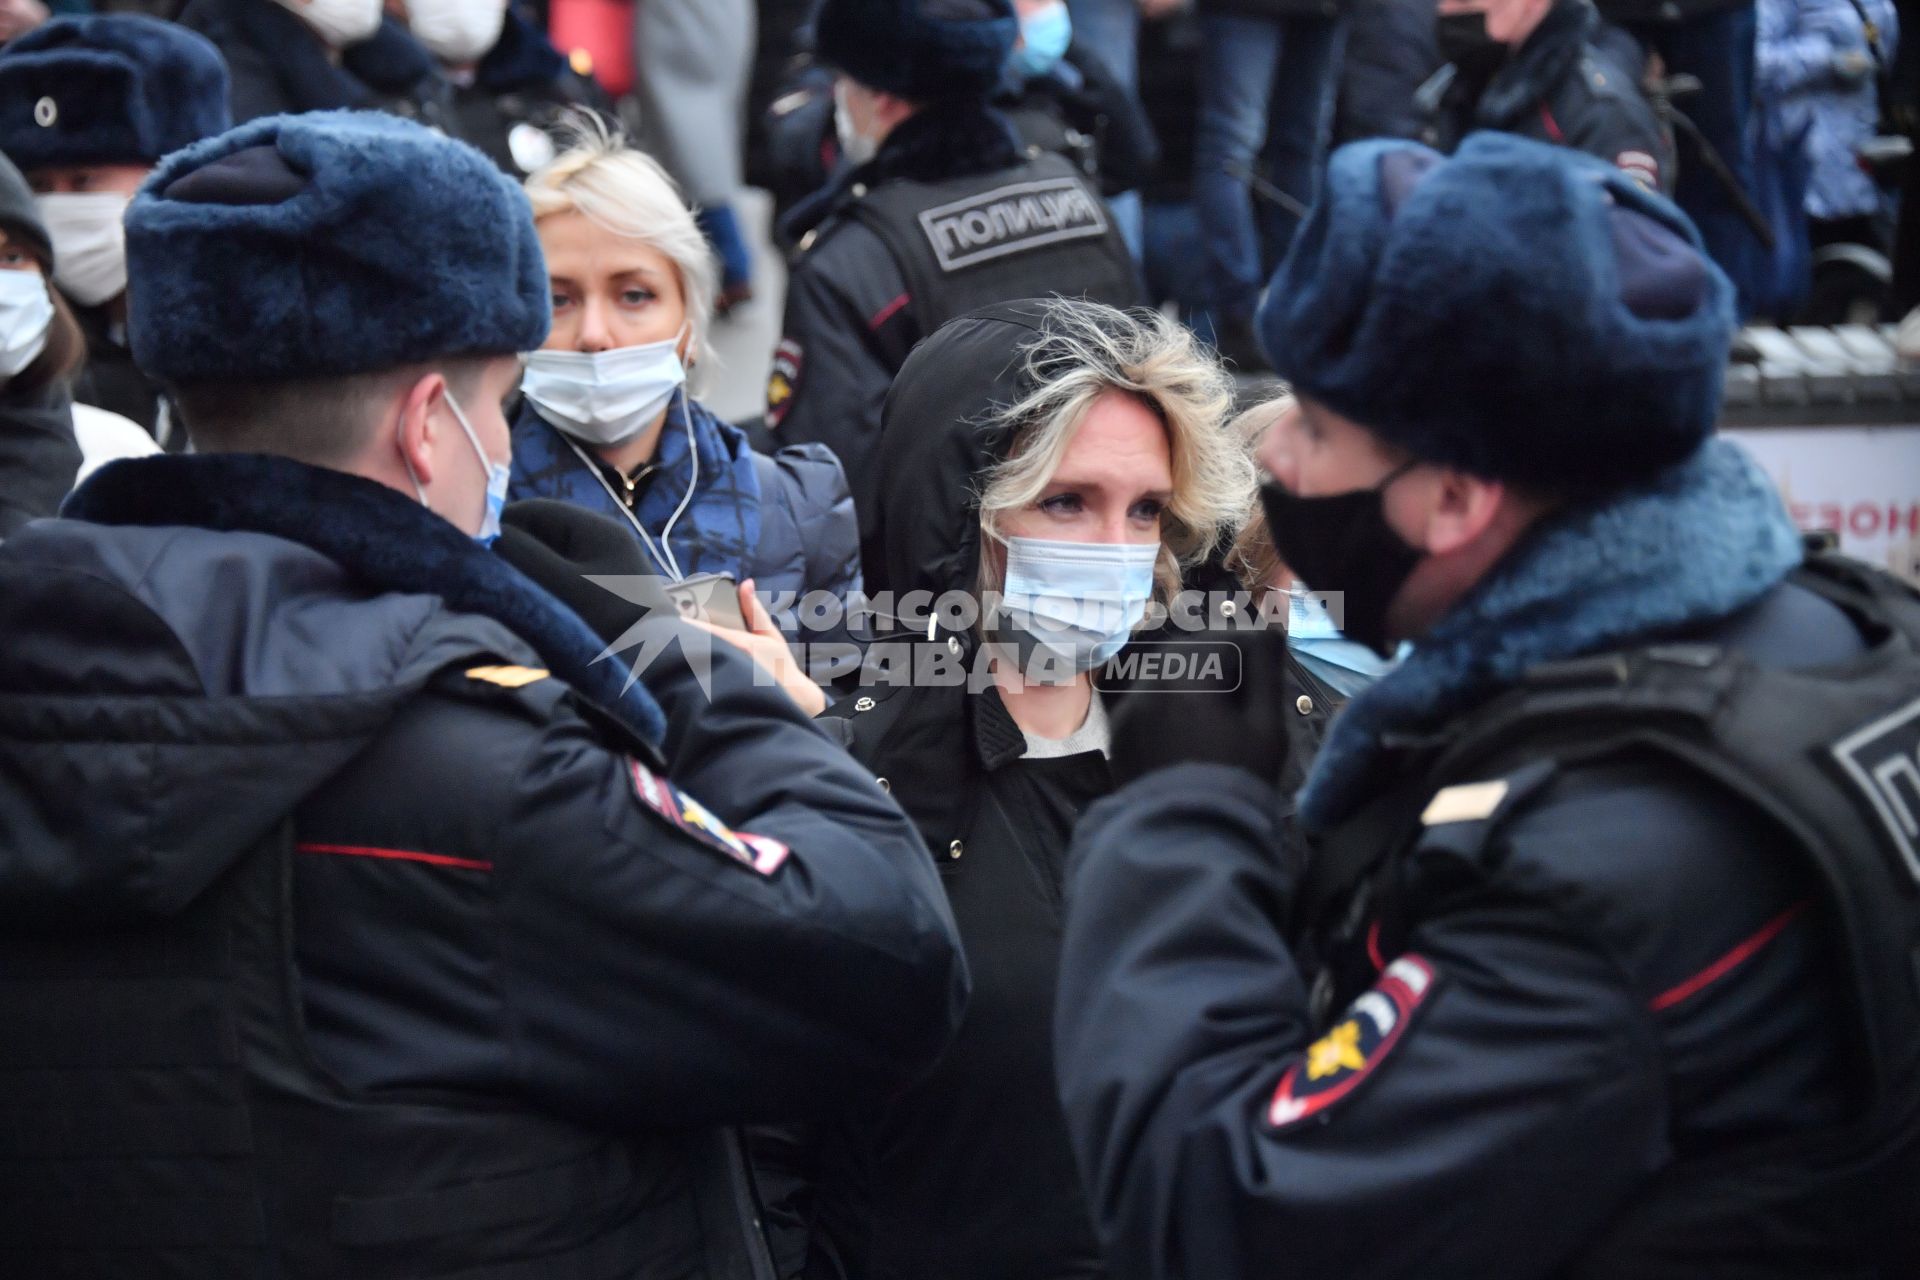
{"x":1012,"y":219}
{"x":1882,"y":761}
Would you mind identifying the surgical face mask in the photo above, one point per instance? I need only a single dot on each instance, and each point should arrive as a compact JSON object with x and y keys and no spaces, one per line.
{"x":1044,"y":36}
{"x":25,"y":313}
{"x":1464,"y":42}
{"x":499,"y":475}
{"x":457,"y":31}
{"x":1345,"y":664}
{"x":857,"y":147}
{"x":607,"y":397}
{"x":338,"y":22}
{"x":89,"y":243}
{"x":1343,"y":543}
{"x":1078,"y":602}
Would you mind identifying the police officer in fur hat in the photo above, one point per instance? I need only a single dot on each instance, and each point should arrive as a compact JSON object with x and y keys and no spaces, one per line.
{"x":936,"y":211}
{"x":359,"y":921}
{"x":88,"y":106}
{"x":1600,"y":959}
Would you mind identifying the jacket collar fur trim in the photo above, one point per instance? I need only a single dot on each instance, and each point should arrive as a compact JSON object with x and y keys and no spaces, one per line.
{"x":1702,"y":540}
{"x":389,"y":541}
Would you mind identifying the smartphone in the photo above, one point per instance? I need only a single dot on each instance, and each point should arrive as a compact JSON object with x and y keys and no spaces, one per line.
{"x":710,"y":597}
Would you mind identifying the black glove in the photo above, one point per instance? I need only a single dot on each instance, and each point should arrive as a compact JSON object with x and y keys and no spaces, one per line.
{"x":558,"y":545}
{"x":1209,"y":718}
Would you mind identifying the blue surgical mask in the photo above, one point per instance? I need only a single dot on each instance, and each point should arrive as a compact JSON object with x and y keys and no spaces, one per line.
{"x":1347,"y":665}
{"x":26,"y":312}
{"x":1077,"y":601}
{"x":1045,"y":34}
{"x":605,"y":398}
{"x":499,"y":476}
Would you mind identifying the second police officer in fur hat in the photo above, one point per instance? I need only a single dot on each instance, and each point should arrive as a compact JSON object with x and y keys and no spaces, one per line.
{"x":1601,"y":963}
{"x":936,"y":211}
{"x":381,"y":944}
{"x":88,"y":106}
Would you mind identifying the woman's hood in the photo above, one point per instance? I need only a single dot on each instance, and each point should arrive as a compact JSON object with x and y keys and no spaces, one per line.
{"x":941,"y":431}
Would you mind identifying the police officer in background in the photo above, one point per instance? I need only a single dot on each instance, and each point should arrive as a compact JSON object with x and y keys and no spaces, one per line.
{"x":88,"y":105}
{"x":357,"y":921}
{"x":1532,"y":67}
{"x":1600,"y":962}
{"x":938,"y":211}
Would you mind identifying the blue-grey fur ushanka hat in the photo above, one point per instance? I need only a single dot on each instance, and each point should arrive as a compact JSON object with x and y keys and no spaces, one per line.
{"x":325,"y":244}
{"x":116,"y":88}
{"x":920,"y":50}
{"x":1521,"y":311}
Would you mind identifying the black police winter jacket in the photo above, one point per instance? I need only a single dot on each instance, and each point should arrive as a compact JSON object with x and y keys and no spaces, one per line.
{"x":358,"y":924}
{"x":863,"y":290}
{"x":1558,"y":87}
{"x":1580,"y":1012}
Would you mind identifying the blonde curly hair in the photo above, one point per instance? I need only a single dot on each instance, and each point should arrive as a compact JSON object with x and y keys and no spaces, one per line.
{"x":1087,"y":349}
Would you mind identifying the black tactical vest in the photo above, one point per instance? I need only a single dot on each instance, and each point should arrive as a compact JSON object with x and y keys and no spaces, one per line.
{"x":1036,"y":229}
{"x":164,"y":1116}
{"x":1833,"y":756}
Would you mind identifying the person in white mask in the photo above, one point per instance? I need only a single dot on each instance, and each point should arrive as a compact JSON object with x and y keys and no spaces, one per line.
{"x":88,"y":105}
{"x":608,"y":422}
{"x":321,"y":55}
{"x":46,"y":445}
{"x":1068,"y":457}
{"x":511,"y":90}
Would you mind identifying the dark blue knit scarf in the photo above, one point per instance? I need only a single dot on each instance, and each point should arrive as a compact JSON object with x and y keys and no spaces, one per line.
{"x":719,"y":532}
{"x":384,"y":538}
{"x":1705,"y":539}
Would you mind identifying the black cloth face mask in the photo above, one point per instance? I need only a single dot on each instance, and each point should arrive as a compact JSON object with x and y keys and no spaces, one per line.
{"x":1342,"y":542}
{"x":1464,"y":42}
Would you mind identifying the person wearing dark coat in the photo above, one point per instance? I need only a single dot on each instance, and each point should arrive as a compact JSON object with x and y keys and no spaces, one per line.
{"x":398,"y":934}
{"x":511,"y":90}
{"x":88,"y":106}
{"x":1599,"y":961}
{"x":325,"y":56}
{"x":1390,"y":52}
{"x":1714,"y":41}
{"x":40,"y":347}
{"x":1018,"y":466}
{"x":608,"y":423}
{"x":936,"y":211}
{"x":1536,"y":68}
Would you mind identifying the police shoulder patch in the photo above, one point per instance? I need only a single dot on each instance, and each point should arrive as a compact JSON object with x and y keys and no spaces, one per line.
{"x":688,"y":816}
{"x":784,"y":377}
{"x":1353,"y":1048}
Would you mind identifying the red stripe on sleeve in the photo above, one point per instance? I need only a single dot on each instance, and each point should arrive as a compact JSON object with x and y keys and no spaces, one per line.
{"x":888,"y":312}
{"x":400,"y":855}
{"x":1729,"y":962}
